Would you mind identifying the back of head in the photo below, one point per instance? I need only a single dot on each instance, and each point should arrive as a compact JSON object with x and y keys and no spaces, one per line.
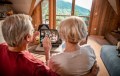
{"x":15,"y":28}
{"x":73,"y":29}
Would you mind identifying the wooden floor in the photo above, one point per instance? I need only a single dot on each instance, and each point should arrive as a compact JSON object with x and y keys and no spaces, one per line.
{"x":96,"y":42}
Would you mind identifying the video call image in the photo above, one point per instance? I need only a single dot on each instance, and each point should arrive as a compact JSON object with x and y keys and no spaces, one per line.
{"x":52,"y":34}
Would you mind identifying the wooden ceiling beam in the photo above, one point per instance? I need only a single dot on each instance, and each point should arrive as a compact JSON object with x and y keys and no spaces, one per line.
{"x":32,"y":7}
{"x":118,"y":7}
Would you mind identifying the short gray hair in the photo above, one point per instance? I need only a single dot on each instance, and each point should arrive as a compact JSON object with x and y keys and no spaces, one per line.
{"x":73,"y":29}
{"x":15,"y":28}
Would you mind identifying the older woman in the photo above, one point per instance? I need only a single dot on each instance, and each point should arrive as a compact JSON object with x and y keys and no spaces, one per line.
{"x":75,"y":60}
{"x":15,"y":59}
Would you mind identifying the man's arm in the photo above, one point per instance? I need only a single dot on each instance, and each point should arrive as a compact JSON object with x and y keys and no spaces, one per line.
{"x":43,"y":70}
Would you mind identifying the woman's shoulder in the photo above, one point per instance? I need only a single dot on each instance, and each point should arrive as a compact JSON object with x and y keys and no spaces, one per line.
{"x":87,"y":49}
{"x":85,"y":45}
{"x":58,"y":57}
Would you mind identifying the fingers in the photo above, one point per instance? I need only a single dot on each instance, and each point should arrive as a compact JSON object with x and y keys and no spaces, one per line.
{"x":95,"y":69}
{"x":96,"y":66}
{"x":46,"y":42}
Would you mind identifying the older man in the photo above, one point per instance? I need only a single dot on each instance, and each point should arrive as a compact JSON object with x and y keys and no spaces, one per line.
{"x":15,"y":60}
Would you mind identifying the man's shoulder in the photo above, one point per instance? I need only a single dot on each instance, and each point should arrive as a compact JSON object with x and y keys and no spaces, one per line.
{"x":3,"y":45}
{"x":29,"y":58}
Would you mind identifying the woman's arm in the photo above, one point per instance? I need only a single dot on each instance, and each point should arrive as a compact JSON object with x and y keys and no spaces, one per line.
{"x":94,"y":71}
{"x":47,"y":47}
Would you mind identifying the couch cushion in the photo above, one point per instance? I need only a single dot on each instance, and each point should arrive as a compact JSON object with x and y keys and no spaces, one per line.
{"x":110,"y":59}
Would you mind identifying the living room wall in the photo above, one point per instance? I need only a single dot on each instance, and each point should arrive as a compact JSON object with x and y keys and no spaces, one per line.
{"x":103,"y":18}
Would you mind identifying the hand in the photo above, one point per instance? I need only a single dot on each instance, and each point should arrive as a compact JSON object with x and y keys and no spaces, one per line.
{"x":36,"y":35}
{"x":47,"y":47}
{"x":95,"y":69}
{"x":47,"y":44}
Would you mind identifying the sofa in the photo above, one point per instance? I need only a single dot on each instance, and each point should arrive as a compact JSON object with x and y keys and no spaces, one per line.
{"x":110,"y":59}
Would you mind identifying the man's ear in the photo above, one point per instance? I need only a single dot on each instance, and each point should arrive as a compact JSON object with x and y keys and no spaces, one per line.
{"x":27,"y":37}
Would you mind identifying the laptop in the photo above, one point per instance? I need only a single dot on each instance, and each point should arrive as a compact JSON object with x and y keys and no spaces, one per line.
{"x":54,"y":37}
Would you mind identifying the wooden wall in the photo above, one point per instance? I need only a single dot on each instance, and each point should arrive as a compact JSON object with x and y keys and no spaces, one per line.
{"x":103,"y":18}
{"x":52,"y":14}
{"x":37,"y":16}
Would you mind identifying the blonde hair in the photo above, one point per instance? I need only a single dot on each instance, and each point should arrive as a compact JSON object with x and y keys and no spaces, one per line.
{"x":15,"y":28}
{"x":73,"y":29}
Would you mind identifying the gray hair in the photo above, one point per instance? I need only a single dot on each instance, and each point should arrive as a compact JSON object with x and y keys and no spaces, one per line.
{"x":15,"y":28}
{"x":73,"y":29}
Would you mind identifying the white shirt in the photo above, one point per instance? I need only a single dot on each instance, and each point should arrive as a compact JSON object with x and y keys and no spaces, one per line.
{"x":74,"y":63}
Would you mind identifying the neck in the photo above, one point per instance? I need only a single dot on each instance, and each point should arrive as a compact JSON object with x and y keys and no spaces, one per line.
{"x":18,"y":48}
{"x":71,"y":47}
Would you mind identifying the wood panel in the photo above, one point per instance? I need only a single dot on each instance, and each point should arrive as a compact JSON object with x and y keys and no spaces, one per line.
{"x":104,"y":18}
{"x":99,"y":12}
{"x":91,"y":17}
{"x":32,"y":7}
{"x":52,"y":14}
{"x":118,"y":7}
{"x":95,"y":18}
{"x":102,"y":23}
{"x":37,"y":16}
{"x":114,"y":5}
{"x":73,"y":8}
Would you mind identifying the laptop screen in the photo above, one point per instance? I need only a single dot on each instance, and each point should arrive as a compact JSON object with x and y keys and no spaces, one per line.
{"x":51,"y":33}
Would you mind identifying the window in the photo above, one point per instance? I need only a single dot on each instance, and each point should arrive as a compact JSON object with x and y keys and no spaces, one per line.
{"x":63,"y":10}
{"x":82,"y":9}
{"x":64,"y":7}
{"x":45,"y":11}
